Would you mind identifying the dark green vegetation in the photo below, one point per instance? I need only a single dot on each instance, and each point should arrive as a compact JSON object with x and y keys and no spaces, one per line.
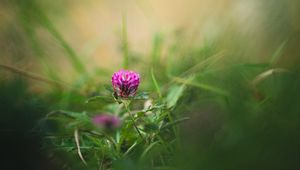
{"x":209,"y":105}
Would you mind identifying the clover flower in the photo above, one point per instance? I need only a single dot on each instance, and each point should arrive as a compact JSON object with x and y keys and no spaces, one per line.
{"x":125,"y":83}
{"x":106,"y":121}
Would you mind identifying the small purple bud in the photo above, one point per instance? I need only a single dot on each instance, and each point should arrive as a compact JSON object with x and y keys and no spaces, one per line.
{"x":125,"y":83}
{"x":106,"y":121}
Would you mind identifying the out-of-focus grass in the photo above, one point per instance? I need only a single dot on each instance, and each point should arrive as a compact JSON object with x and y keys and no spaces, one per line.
{"x":243,"y":105}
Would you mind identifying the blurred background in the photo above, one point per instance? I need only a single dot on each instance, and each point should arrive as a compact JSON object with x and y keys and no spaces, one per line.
{"x":50,"y":50}
{"x":34,"y":34}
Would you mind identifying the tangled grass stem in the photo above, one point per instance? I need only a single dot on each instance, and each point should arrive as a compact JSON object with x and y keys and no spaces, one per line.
{"x":126,"y":104}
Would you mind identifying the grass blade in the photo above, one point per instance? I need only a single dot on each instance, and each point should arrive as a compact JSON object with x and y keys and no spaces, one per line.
{"x":49,"y":26}
{"x":125,"y":43}
{"x":76,"y":136}
{"x":156,"y":84}
{"x":202,"y":86}
{"x":157,"y":48}
{"x":175,"y":122}
{"x":130,"y":149}
{"x":146,"y":151}
{"x":278,"y":53}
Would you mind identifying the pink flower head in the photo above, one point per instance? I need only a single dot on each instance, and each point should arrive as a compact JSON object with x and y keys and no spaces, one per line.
{"x":125,"y":83}
{"x":107,"y":121}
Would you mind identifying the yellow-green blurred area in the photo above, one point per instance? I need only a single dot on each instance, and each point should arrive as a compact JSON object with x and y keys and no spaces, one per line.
{"x":45,"y":36}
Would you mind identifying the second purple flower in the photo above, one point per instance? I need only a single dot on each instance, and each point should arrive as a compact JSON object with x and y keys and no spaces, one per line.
{"x":125,"y":83}
{"x":107,"y":121}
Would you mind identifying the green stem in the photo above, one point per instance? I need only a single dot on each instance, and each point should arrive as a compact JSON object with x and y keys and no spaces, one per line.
{"x":174,"y":128}
{"x":126,"y":104}
{"x":115,"y":145}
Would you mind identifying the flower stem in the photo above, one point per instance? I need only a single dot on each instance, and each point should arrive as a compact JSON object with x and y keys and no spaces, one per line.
{"x":126,"y":104}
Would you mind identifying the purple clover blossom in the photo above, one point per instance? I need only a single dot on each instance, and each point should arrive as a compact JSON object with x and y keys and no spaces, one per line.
{"x":106,"y":121}
{"x":125,"y":83}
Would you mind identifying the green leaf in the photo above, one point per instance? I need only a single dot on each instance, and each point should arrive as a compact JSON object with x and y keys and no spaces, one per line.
{"x":105,"y":99}
{"x":151,"y":127}
{"x":175,"y":92}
